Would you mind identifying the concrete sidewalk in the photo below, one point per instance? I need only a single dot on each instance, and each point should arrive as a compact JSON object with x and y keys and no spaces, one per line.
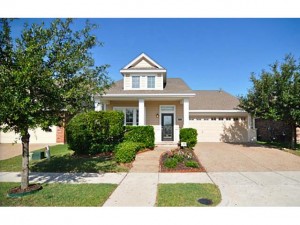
{"x":140,"y":189}
{"x":72,"y":178}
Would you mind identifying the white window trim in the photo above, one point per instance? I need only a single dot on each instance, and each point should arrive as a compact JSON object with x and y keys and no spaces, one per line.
{"x":135,"y":88}
{"x":154,"y":88}
{"x":123,"y":108}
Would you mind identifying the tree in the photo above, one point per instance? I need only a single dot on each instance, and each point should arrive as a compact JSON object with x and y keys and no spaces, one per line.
{"x":46,"y":75}
{"x":275,"y":95}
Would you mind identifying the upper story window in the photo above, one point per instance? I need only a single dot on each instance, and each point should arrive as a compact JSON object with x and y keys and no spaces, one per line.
{"x":135,"y":82}
{"x":150,"y":81}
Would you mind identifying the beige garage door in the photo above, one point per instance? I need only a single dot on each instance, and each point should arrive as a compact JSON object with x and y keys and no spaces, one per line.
{"x":36,"y":136}
{"x":220,"y":130}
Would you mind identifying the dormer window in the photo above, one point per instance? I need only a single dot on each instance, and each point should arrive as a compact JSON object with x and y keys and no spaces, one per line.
{"x":135,"y":82}
{"x":150,"y":81}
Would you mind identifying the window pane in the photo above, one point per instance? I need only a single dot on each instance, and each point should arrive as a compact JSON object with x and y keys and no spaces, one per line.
{"x":151,"y":81}
{"x":167,"y":108}
{"x":135,"y":82}
{"x":129,"y":116}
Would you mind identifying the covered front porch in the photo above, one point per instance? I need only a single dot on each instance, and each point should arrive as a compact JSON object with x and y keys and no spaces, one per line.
{"x":166,"y":115}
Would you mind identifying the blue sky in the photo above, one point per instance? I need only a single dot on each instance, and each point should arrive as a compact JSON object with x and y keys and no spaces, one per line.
{"x":208,"y":54}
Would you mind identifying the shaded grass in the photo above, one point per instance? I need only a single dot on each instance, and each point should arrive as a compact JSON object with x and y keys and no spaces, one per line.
{"x":187,"y":194}
{"x":281,"y":146}
{"x":60,"y":195}
{"x":63,"y":160}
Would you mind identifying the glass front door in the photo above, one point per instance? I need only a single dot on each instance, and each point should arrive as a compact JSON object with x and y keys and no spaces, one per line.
{"x":167,"y":123}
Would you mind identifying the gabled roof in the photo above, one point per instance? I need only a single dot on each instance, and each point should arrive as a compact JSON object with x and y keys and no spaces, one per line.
{"x":173,"y":86}
{"x":143,"y":61}
{"x":213,"y":100}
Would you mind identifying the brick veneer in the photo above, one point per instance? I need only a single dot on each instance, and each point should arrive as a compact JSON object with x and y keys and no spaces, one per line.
{"x":268,"y":130}
{"x":60,"y":135}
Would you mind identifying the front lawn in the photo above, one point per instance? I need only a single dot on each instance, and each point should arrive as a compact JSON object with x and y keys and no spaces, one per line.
{"x":281,"y":146}
{"x":60,"y":195}
{"x":187,"y":194}
{"x":64,"y":160}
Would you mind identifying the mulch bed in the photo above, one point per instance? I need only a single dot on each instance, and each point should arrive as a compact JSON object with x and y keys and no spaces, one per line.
{"x":18,"y":192}
{"x":181,"y":167}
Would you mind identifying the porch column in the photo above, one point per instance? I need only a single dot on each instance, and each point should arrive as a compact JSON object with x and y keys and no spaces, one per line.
{"x":141,"y":112}
{"x":250,"y":122}
{"x":186,"y":109}
{"x":98,"y":105}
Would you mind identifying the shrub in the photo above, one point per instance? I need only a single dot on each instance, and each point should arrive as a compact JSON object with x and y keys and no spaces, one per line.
{"x":191,"y":163}
{"x":188,"y":135}
{"x":170,"y":162}
{"x":143,"y":134}
{"x":179,"y":158}
{"x":95,"y":132}
{"x":125,"y":152}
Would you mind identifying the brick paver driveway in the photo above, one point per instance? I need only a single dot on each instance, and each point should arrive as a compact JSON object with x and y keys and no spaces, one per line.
{"x":226,"y":157}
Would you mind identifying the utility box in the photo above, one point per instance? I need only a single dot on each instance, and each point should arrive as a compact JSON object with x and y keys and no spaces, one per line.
{"x":37,"y":155}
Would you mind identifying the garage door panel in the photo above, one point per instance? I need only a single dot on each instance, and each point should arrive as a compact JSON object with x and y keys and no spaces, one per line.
{"x":220,"y":131}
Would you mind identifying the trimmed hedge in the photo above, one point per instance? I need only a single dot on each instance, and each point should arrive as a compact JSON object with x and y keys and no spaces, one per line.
{"x":188,"y":135}
{"x":95,"y":132}
{"x":125,"y":152}
{"x":143,"y":134}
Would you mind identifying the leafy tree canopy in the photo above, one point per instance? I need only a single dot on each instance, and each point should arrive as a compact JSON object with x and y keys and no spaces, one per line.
{"x":46,"y":71}
{"x":275,"y":94}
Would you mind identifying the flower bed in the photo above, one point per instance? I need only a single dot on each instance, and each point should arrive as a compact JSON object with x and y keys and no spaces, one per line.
{"x":180,"y":160}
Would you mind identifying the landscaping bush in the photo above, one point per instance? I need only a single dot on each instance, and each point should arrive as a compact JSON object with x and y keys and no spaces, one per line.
{"x":179,"y":158}
{"x":95,"y":132}
{"x":143,"y":134}
{"x":188,"y":135}
{"x":171,"y":162}
{"x":125,"y":152}
{"x":192,"y":164}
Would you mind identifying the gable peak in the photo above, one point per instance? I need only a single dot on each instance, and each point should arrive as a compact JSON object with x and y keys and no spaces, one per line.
{"x":143,"y":61}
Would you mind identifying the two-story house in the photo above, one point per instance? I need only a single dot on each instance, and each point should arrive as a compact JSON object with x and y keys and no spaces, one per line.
{"x":148,"y":97}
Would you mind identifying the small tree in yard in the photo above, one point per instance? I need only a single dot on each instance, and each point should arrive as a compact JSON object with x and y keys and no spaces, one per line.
{"x":276,"y":94}
{"x":46,"y":75}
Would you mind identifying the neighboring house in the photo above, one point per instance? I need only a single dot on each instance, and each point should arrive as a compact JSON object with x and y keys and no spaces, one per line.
{"x":148,"y":97}
{"x":57,"y":135}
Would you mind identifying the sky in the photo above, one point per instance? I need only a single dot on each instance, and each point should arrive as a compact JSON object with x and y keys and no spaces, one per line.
{"x":207,"y":53}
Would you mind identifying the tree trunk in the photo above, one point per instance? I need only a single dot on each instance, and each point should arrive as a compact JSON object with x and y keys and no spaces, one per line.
{"x":25,"y":160}
{"x":294,"y":139}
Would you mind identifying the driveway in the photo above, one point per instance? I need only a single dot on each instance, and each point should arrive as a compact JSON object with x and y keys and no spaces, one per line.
{"x":225,"y":157}
{"x":11,"y":150}
{"x":252,"y":175}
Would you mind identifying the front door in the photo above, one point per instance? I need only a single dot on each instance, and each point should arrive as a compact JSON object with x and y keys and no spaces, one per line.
{"x":167,"y":124}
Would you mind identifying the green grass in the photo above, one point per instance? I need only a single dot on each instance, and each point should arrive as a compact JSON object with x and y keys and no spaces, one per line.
{"x":63,"y":160}
{"x":60,"y":195}
{"x":187,"y":194}
{"x":281,"y":146}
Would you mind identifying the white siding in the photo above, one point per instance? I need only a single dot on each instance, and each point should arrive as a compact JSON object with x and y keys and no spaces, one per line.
{"x":143,"y":82}
{"x":127,"y":82}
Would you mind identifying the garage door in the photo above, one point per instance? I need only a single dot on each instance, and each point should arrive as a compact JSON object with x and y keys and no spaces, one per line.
{"x":220,"y":130}
{"x":36,"y":136}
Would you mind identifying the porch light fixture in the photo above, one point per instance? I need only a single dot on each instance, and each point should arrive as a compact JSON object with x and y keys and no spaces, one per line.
{"x":157,"y":115}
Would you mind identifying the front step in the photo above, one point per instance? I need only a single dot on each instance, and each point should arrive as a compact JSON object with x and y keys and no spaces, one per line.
{"x":166,"y":144}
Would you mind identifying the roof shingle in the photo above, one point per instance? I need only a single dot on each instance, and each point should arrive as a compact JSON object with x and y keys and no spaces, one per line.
{"x":213,"y":100}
